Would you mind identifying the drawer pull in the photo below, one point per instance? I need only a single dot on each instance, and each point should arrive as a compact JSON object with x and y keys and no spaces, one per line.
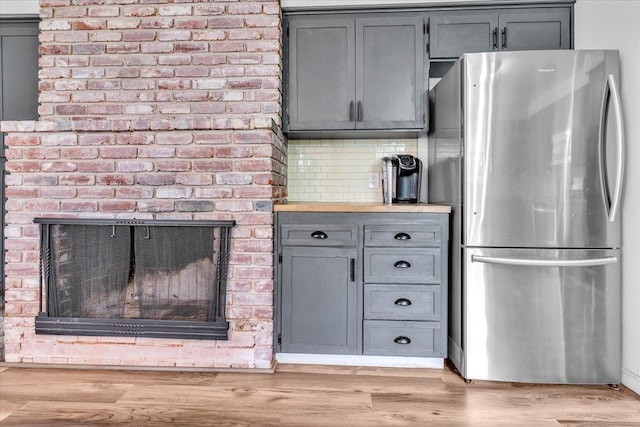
{"x":319,"y":235}
{"x":402,"y":236}
{"x":402,"y":340}
{"x":403,"y":302}
{"x":402,"y":264}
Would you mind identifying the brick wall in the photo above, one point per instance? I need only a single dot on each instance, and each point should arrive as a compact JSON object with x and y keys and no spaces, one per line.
{"x":151,"y":109}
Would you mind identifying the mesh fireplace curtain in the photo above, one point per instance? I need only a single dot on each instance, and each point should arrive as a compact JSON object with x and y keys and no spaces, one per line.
{"x":151,"y":276}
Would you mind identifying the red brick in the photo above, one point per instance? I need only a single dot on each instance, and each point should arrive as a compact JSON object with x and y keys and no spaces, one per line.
{"x":90,"y":24}
{"x":134,"y":193}
{"x":213,"y":193}
{"x":190,"y":23}
{"x":118,"y":152}
{"x":138,"y":11}
{"x":76,"y":179}
{"x":156,"y":206}
{"x":59,"y":166}
{"x":226,"y":22}
{"x":174,"y":138}
{"x":116,"y":206}
{"x":96,"y":167}
{"x":96,"y":139}
{"x":134,"y":166}
{"x":115,"y":179}
{"x":135,"y":138}
{"x":155,"y":179}
{"x":57,"y":49}
{"x":193,"y":179}
{"x":95,"y":193}
{"x":79,"y":206}
{"x":195,"y":152}
{"x":173,"y":165}
{"x":212,"y":166}
{"x":173,"y":192}
{"x":243,"y":9}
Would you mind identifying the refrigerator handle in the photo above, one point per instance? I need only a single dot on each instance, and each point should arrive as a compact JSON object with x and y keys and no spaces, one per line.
{"x":617,"y":192}
{"x":545,"y":262}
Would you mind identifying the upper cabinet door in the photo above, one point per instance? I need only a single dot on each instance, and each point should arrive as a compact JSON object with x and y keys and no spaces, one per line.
{"x":529,"y":29}
{"x":321,"y":73}
{"x":452,"y":34}
{"x":390,"y":72}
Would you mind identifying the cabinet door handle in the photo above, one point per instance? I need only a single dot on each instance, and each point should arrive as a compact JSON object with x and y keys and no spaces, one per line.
{"x":403,"y":302}
{"x":402,"y":264}
{"x":319,"y":235}
{"x":402,"y":340}
{"x":351,"y":112}
{"x":353,"y":269}
{"x":360,"y":111}
{"x":402,"y":236}
{"x":495,"y":38}
{"x":504,"y":38}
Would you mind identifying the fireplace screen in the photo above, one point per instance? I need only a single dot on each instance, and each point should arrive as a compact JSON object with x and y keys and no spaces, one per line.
{"x":158,"y":278}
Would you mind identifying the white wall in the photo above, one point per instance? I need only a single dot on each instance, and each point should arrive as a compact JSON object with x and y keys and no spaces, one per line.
{"x":19,"y":7}
{"x":613,"y":24}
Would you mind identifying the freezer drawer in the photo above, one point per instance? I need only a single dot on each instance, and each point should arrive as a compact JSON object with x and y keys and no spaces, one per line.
{"x":542,"y":315}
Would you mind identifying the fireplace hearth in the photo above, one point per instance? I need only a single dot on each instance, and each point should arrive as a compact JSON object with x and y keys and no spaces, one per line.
{"x":143,"y":278}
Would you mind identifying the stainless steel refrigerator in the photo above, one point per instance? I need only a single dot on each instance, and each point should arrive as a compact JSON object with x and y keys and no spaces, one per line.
{"x":528,"y":149}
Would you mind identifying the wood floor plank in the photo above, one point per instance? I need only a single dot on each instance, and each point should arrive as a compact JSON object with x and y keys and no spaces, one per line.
{"x":300,"y":396}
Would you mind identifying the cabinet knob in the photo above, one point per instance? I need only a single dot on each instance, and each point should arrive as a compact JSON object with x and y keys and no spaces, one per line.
{"x":402,"y":236}
{"x":319,"y":235}
{"x":404,"y":302}
{"x":402,"y":264}
{"x":402,"y":340}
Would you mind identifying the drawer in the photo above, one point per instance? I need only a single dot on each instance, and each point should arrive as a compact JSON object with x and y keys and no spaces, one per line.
{"x":397,"y":338}
{"x":319,"y":235}
{"x":395,"y":265}
{"x":405,"y":236}
{"x":402,"y":302}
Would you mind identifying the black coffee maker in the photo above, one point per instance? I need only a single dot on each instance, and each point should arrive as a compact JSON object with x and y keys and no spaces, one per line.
{"x":408,"y":177}
{"x":401,"y":177}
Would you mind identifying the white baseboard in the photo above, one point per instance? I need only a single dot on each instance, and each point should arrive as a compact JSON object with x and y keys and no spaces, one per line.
{"x":631,"y":380}
{"x":358,"y":360}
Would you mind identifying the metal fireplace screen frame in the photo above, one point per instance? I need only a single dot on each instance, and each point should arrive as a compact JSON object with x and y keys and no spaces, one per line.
{"x":51,"y":321}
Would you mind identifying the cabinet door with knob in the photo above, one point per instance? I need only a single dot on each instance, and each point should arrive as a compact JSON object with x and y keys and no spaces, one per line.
{"x":321,"y":70}
{"x":319,"y":300}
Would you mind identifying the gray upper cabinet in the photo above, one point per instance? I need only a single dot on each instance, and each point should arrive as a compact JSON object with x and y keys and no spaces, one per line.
{"x":457,"y":32}
{"x":529,"y":29}
{"x":321,"y":73}
{"x":355,"y":72}
{"x":390,"y":73}
{"x":453,"y":33}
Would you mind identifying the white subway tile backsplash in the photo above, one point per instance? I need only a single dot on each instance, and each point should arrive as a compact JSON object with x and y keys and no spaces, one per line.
{"x":337,"y":170}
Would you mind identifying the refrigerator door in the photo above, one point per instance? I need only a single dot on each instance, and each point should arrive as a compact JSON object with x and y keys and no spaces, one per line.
{"x":542,"y":315}
{"x":543,"y":149}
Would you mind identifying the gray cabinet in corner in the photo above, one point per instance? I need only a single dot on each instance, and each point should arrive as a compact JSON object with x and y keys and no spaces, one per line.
{"x":362,"y":283}
{"x":355,"y":72}
{"x":453,"y":33}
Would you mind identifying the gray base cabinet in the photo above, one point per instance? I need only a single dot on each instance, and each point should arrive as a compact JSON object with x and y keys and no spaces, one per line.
{"x":356,"y":283}
{"x":319,"y":298}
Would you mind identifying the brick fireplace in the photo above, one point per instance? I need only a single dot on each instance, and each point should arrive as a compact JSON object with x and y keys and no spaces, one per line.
{"x":151,"y":109}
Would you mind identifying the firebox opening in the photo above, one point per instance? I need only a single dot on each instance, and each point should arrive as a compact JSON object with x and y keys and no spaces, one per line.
{"x":159,"y":278}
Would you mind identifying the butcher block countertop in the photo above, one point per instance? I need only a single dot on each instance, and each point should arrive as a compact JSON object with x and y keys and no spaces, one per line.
{"x":359,"y":207}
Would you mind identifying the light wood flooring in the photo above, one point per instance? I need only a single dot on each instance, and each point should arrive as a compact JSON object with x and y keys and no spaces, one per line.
{"x":299,"y":395}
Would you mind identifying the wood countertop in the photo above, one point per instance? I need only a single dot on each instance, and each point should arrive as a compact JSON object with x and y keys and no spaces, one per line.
{"x":359,"y":207}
